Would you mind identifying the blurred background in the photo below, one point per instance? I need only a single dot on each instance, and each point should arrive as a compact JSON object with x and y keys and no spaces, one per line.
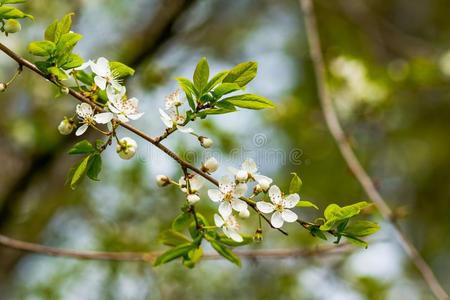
{"x":388,"y":66}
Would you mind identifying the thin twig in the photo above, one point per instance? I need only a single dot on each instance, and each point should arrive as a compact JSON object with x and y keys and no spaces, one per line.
{"x":150,"y":256}
{"x":349,"y":156}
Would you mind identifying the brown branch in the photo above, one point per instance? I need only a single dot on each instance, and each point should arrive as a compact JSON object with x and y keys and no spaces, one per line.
{"x":349,"y":156}
{"x":150,"y":256}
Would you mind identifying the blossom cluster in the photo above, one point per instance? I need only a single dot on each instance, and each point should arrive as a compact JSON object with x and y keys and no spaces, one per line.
{"x":231,"y":196}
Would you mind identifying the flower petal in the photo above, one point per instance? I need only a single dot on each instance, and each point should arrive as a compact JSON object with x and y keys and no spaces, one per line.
{"x":225,"y":209}
{"x":215,"y":195}
{"x":276,"y":220}
{"x":234,"y":235}
{"x":265,"y":207}
{"x":289,"y":216}
{"x":238,"y":205}
{"x":185,"y":129}
{"x":261,"y":179}
{"x":249,"y":165}
{"x":275,"y":194}
{"x":103,"y":118}
{"x":225,"y":180}
{"x":82,"y":129}
{"x":291,"y":200}
{"x":101,"y":67}
{"x":100,"y":82}
{"x":122,"y":118}
{"x":167,"y":120}
{"x":240,"y":189}
{"x":135,"y":116}
{"x":218,"y":220}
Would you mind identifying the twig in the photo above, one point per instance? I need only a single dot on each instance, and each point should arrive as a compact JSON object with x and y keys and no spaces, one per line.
{"x":150,"y":256}
{"x":350,"y":158}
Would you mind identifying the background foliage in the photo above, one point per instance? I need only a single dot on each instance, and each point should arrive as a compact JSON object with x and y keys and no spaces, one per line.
{"x":389,"y":68}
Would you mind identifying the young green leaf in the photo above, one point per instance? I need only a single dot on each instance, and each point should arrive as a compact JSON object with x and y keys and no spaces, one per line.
{"x":120,"y":69}
{"x":10,"y":12}
{"x":247,"y":239}
{"x":12,"y":1}
{"x":67,"y":42}
{"x":94,"y":166}
{"x":79,"y":172}
{"x":215,"y":80}
{"x":225,"y":88}
{"x":201,"y":75}
{"x":172,"y":254}
{"x":296,"y":184}
{"x":41,"y":48}
{"x":226,"y":253}
{"x":82,"y":147}
{"x":181,"y":221}
{"x":250,"y":101}
{"x":60,"y":75}
{"x":242,"y":73}
{"x":357,"y":242}
{"x":171,"y":237}
{"x":72,"y":61}
{"x":362,"y":228}
{"x":304,"y":203}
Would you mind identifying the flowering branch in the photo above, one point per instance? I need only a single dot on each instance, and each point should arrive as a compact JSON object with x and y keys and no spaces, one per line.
{"x":350,"y":158}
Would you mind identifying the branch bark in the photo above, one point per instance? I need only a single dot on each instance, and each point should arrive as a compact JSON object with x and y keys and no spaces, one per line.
{"x":349,"y":156}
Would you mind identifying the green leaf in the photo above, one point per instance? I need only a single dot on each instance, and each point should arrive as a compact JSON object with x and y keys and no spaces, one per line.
{"x":357,"y":242}
{"x":72,"y":61}
{"x":226,"y":253}
{"x":215,"y":80}
{"x":172,"y":254}
{"x":79,"y":172}
{"x":201,"y":75}
{"x":67,"y":42}
{"x":362,"y":228}
{"x":60,"y":75}
{"x":181,"y":221}
{"x":56,"y":29}
{"x":12,"y":1}
{"x":315,"y":231}
{"x":82,"y":147}
{"x":189,"y":90}
{"x":296,"y":184}
{"x":10,"y":12}
{"x":225,"y":88}
{"x":171,"y":237}
{"x":41,"y":48}
{"x":84,"y":77}
{"x":334,"y":213}
{"x":66,"y":23}
{"x":242,"y":73}
{"x":94,"y":166}
{"x":120,"y":70}
{"x":303,"y":203}
{"x":50,"y":32}
{"x":250,"y":101}
{"x":247,"y":239}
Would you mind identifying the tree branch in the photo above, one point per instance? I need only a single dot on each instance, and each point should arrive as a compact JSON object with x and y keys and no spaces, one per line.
{"x":349,"y":156}
{"x":150,"y":256}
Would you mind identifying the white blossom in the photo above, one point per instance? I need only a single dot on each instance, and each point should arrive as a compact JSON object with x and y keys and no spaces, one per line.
{"x":229,"y":226}
{"x":171,"y":119}
{"x":195,"y":184}
{"x":210,"y":165}
{"x":104,"y":74}
{"x":162,"y":180}
{"x":124,"y":108}
{"x":280,"y":207}
{"x":248,"y":171}
{"x":87,"y":117}
{"x":228,"y":195}
{"x":193,"y":198}
{"x":126,"y":148}
{"x":173,"y":100}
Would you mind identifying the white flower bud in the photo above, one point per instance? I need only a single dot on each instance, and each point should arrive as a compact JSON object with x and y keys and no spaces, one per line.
{"x":162,"y":180}
{"x":241,"y":176}
{"x":205,"y":142}
{"x":257,"y":189}
{"x":65,"y":90}
{"x":126,"y":148}
{"x":3,"y":87}
{"x":193,"y":198}
{"x":264,"y":184}
{"x":12,"y":26}
{"x":66,"y":126}
{"x":244,"y":214}
{"x":210,"y":165}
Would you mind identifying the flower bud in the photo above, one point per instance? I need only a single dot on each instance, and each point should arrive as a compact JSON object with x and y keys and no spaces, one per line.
{"x":66,"y":126}
{"x":126,"y":148}
{"x":258,"y":237}
{"x":205,"y":142}
{"x":162,"y":180}
{"x":210,"y":165}
{"x":241,"y":176}
{"x":65,"y":90}
{"x":12,"y":26}
{"x":3,"y":87}
{"x":244,"y":214}
{"x":193,"y":198}
{"x":257,"y":189}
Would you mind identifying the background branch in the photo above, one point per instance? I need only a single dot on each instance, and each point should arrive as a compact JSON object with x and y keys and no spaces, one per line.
{"x":349,"y":156}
